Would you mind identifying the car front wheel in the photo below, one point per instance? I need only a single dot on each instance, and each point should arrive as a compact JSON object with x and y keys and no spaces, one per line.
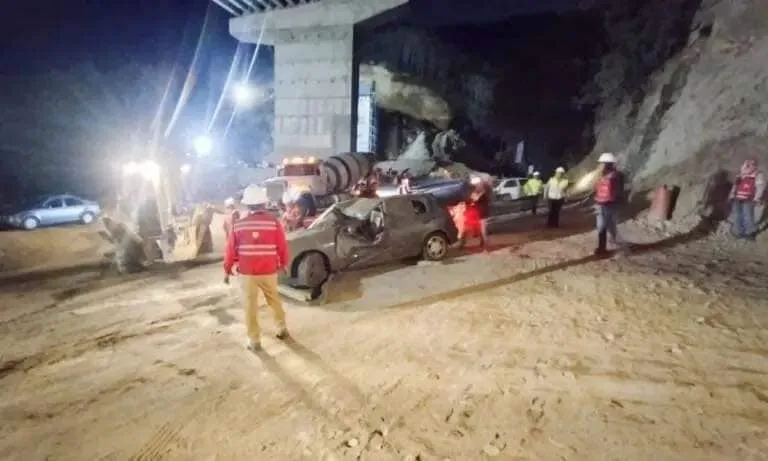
{"x":87,"y":217}
{"x":435,"y":247}
{"x":30,"y":223}
{"x":311,"y":271}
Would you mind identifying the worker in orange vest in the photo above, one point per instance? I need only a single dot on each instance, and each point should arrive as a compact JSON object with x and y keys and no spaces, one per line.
{"x":747,"y":191}
{"x":257,"y":245}
{"x":609,"y":194}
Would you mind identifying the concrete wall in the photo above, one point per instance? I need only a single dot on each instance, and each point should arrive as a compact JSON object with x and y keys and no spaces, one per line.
{"x":313,"y":91}
{"x":314,"y":73}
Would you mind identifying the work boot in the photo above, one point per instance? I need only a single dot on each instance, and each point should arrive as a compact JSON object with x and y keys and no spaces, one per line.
{"x":253,"y":346}
{"x":283,"y":334}
{"x":602,"y":242}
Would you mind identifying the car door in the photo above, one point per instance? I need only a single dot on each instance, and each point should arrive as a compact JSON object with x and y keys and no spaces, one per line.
{"x":74,"y":209}
{"x":53,"y":211}
{"x":358,"y":250}
{"x":515,"y":192}
{"x":521,"y":188}
{"x":404,"y":226}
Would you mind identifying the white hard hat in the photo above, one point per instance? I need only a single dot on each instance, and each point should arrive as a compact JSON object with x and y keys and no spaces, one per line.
{"x":560,"y":170}
{"x":536,"y":173}
{"x":254,"y":195}
{"x":607,"y":157}
{"x":229,"y":202}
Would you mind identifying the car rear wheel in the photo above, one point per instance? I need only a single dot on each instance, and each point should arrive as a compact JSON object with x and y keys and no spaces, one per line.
{"x":311,"y":271}
{"x":435,"y":247}
{"x":30,"y":223}
{"x":87,"y":217}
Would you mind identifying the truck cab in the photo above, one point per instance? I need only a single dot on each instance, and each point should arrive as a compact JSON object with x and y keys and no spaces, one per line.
{"x":302,"y":174}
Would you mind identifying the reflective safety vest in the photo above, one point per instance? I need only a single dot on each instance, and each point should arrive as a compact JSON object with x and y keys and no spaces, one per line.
{"x":746,"y":187}
{"x":605,"y":189}
{"x":472,"y":217}
{"x":257,"y":245}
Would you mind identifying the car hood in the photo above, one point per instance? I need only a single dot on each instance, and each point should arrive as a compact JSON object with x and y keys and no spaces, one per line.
{"x":311,"y":239}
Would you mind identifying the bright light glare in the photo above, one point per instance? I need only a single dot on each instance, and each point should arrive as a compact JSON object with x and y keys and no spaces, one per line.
{"x":186,"y":168}
{"x":246,"y":95}
{"x":203,"y":145}
{"x":131,"y":168}
{"x":148,"y":169}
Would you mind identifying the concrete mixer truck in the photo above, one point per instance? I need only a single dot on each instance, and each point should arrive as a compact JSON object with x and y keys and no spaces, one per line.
{"x":317,"y":184}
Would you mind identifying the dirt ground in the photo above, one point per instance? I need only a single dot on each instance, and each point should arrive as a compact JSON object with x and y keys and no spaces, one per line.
{"x":56,"y":246}
{"x":535,"y":351}
{"x":75,"y":245}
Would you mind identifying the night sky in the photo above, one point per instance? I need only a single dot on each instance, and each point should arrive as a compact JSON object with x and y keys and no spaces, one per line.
{"x":40,"y":38}
{"x":45,"y":34}
{"x":39,"y":35}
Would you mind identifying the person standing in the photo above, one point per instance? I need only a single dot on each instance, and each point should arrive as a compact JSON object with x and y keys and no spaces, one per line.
{"x":232,"y":215}
{"x":555,"y":194}
{"x":747,"y":191}
{"x":404,"y":185}
{"x":257,"y":246}
{"x":482,"y":198}
{"x":533,"y":189}
{"x":609,"y":194}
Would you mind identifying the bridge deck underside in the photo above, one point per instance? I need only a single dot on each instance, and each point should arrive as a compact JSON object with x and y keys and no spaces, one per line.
{"x":243,"y":7}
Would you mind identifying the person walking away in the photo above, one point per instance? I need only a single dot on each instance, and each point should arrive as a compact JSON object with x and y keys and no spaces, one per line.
{"x":482,"y":199}
{"x":747,"y":192}
{"x":609,"y":194}
{"x":555,"y":193}
{"x":533,"y":189}
{"x":232,"y":215}
{"x":472,"y":226}
{"x":404,"y":187}
{"x":257,"y":246}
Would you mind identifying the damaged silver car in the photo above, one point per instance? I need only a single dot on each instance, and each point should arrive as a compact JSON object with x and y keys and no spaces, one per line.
{"x":364,"y":232}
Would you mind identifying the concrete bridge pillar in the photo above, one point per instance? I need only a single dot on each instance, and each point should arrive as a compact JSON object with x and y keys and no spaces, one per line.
{"x":315,"y":76}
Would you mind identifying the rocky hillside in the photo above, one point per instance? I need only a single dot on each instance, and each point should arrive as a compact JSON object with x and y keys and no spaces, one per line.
{"x":702,"y":111}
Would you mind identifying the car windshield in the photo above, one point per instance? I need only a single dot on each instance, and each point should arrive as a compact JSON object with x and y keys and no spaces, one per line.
{"x":358,"y":208}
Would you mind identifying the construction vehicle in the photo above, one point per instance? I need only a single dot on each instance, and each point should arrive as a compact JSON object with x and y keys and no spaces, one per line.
{"x":317,"y":184}
{"x":148,"y":213}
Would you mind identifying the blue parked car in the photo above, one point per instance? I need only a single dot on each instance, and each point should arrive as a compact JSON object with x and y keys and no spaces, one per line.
{"x":53,"y":210}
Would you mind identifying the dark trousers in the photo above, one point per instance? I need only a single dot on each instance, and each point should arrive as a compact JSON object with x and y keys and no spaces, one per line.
{"x":553,"y":220}
{"x":534,"y":203}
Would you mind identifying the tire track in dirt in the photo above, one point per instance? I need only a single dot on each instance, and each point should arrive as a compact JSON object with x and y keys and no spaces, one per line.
{"x":163,"y":438}
{"x":74,"y":350}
